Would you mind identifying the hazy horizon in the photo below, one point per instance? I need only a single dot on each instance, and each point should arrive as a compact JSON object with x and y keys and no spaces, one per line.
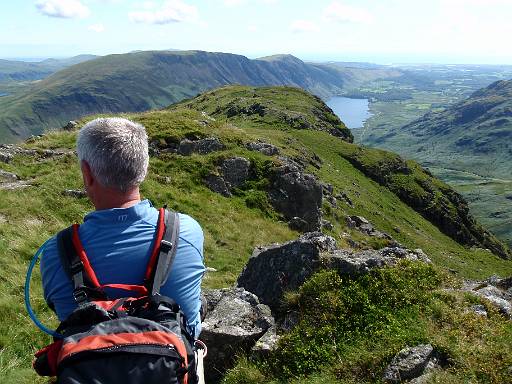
{"x":390,"y":31}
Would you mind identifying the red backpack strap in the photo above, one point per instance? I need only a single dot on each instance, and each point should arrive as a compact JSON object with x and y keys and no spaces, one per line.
{"x":160,"y":230}
{"x":84,"y":283}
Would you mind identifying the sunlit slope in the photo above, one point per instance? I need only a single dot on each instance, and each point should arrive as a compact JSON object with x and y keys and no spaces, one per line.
{"x":140,"y":81}
{"x":233,"y":226}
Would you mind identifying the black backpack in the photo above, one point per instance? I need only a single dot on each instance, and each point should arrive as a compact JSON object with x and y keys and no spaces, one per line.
{"x":140,"y":339}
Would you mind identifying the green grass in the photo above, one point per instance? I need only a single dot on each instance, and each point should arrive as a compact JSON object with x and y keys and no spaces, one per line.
{"x":232,"y":226}
{"x":349,"y":330}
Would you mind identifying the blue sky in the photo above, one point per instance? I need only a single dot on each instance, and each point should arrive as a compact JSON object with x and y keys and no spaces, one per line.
{"x":384,"y":31}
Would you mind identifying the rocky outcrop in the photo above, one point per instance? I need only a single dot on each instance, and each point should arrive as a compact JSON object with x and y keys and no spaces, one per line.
{"x":70,"y":126}
{"x":262,"y":147}
{"x":76,"y":193}
{"x":297,"y":195}
{"x":232,"y":173}
{"x":11,"y":181}
{"x":235,"y":171}
{"x":284,"y":267}
{"x":497,"y":291}
{"x":235,"y":321}
{"x":8,"y":151}
{"x":275,"y":269}
{"x":411,"y":364}
{"x":187,"y":147}
{"x":364,"y":226}
{"x":351,"y":263}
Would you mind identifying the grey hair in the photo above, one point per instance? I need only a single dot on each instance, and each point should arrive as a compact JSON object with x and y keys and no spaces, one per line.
{"x":116,"y":150}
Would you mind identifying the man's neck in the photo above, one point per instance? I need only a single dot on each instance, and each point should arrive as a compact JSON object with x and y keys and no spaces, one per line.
{"x":109,"y":199}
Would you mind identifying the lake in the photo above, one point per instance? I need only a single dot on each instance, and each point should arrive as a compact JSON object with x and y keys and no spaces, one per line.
{"x":3,"y":94}
{"x":353,"y":112}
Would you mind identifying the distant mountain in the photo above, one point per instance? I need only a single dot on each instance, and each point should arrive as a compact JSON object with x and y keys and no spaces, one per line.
{"x":139,"y":81}
{"x":468,"y":145}
{"x":12,"y":70}
{"x":478,"y":129}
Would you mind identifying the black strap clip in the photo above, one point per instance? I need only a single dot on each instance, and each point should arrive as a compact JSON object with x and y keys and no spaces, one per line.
{"x":165,"y":246}
{"x":80,"y":295}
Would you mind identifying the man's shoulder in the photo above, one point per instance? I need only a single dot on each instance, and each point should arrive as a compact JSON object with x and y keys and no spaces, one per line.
{"x":188,"y":223}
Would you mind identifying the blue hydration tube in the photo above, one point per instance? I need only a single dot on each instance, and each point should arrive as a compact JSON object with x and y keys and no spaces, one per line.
{"x":30,"y":311}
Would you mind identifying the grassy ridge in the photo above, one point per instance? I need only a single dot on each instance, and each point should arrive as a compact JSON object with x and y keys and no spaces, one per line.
{"x":232,"y":226}
{"x":140,"y":81}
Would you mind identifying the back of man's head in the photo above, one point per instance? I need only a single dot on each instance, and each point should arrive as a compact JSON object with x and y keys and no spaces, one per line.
{"x":116,"y":150}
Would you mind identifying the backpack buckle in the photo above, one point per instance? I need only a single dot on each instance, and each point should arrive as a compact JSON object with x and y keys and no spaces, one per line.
{"x":80,"y":295}
{"x":165,"y":246}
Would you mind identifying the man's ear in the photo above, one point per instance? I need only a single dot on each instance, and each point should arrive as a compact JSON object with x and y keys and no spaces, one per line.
{"x":87,"y":174}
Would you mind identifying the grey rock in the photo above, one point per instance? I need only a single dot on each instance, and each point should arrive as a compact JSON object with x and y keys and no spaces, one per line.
{"x":289,"y":321}
{"x":235,"y":171}
{"x":364,"y":226}
{"x":408,"y":364}
{"x":296,"y":194}
{"x":275,"y":269}
{"x":501,"y":299}
{"x":70,"y":126}
{"x":298,"y":224}
{"x":10,"y":186}
{"x":77,"y":193}
{"x":217,"y":184}
{"x":350,"y":262}
{"x":201,"y":146}
{"x":235,"y":323}
{"x":8,"y":176}
{"x":265,"y":344}
{"x":479,"y":309}
{"x":6,"y":157}
{"x":262,"y":147}
{"x":344,"y":197}
{"x":326,"y":224}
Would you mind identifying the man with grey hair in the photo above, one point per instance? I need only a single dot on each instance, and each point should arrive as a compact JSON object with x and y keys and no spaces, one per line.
{"x":118,"y":236}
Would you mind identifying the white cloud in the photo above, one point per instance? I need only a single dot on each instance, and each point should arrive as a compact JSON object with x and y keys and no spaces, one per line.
{"x":252,"y":28}
{"x":67,"y":9}
{"x":98,"y":28}
{"x":172,"y":11}
{"x":339,"y":12}
{"x":303,"y":26}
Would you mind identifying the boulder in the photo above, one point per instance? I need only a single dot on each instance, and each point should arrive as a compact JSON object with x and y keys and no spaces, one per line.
{"x":6,"y":157}
{"x":217,"y":184}
{"x":364,"y":226}
{"x":499,"y":298}
{"x":296,"y":194}
{"x":262,"y":147}
{"x":234,"y":323}
{"x":76,"y":193}
{"x":70,"y":126}
{"x":8,"y":176}
{"x":265,"y":344}
{"x":351,"y":263}
{"x":408,"y":364}
{"x":497,"y":291}
{"x":201,"y":146}
{"x":235,"y":171}
{"x":283,"y":267}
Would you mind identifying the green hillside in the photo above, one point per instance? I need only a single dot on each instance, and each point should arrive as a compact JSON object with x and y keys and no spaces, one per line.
{"x":305,"y":131}
{"x":469,"y":146}
{"x":141,"y":81}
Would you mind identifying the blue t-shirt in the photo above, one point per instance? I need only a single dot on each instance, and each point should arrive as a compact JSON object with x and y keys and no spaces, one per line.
{"x":118,"y":243}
